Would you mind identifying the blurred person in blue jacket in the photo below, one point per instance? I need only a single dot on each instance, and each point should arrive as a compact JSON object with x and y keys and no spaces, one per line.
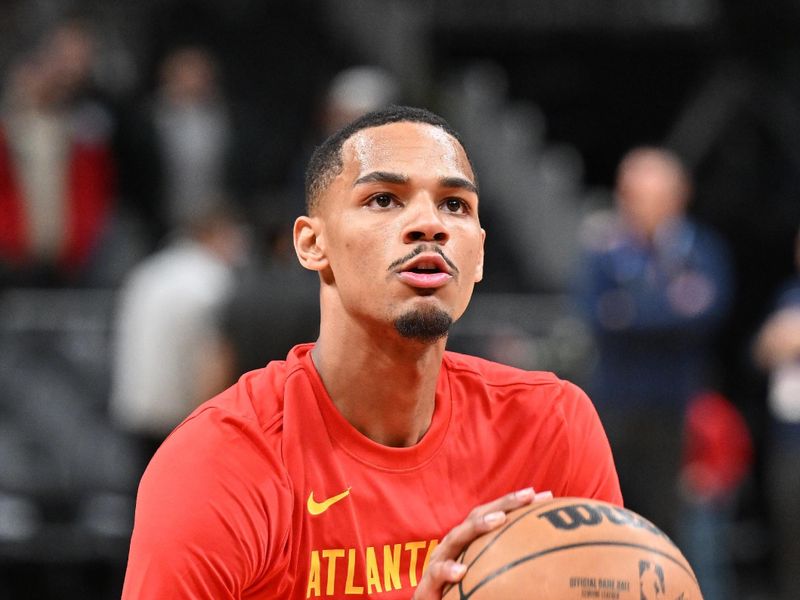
{"x":777,"y":351}
{"x":655,"y":287}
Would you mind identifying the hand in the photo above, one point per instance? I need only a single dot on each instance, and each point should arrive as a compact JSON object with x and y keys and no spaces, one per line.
{"x":443,"y":567}
{"x":778,"y":341}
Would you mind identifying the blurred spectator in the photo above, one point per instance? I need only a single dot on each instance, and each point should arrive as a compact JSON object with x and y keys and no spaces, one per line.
{"x":167,"y":328}
{"x":56,"y":165}
{"x":355,"y":91}
{"x":655,"y":287}
{"x":351,"y":92}
{"x":718,"y":453}
{"x":276,"y":302}
{"x":177,"y":150}
{"x":777,"y":351}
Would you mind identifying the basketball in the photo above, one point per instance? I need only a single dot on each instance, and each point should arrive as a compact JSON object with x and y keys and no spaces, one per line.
{"x":574,"y":549}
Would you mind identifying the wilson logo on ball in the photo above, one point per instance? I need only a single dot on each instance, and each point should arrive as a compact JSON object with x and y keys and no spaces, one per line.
{"x":574,"y":549}
{"x":574,"y":516}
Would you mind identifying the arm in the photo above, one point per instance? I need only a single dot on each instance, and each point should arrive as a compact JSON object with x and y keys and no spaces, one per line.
{"x":590,"y":469}
{"x":205,"y":526}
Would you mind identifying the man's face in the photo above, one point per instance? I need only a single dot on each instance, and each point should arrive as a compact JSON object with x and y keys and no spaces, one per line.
{"x":651,"y":191}
{"x":399,"y":230}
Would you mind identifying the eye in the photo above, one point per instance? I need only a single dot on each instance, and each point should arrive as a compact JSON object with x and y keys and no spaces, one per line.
{"x":455,"y":205}
{"x":382,"y":200}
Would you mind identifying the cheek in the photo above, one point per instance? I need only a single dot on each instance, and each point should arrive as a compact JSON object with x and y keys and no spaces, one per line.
{"x":361,"y":258}
{"x":473,"y":252}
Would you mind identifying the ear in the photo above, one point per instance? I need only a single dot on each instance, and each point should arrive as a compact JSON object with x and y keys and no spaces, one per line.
{"x":309,"y":243}
{"x":479,"y":265}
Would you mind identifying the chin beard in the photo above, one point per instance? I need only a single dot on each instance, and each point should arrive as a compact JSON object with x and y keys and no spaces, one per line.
{"x":424,"y":325}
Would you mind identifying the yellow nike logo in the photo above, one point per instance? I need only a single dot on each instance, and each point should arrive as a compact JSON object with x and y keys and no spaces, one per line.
{"x":317,"y":508}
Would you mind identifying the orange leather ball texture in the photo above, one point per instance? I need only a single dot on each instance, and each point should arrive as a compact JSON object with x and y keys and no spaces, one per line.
{"x":575,"y":549}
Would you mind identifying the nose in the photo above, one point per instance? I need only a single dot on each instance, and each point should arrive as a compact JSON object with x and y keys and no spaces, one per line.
{"x":425,"y":223}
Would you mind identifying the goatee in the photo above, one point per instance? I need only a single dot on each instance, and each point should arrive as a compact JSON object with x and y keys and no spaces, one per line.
{"x":424,"y":325}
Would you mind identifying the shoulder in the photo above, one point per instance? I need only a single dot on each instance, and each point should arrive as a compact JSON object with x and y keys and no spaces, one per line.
{"x":706,"y":238}
{"x":238,"y":429}
{"x":219,"y":483}
{"x":539,"y":411}
{"x":493,"y":373}
{"x":243,"y":422}
{"x":511,"y":383}
{"x":601,"y":233}
{"x":247,"y":414}
{"x":788,"y":295}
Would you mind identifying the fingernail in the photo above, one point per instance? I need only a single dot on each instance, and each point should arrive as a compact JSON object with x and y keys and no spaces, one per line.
{"x":494,"y":518}
{"x":548,"y":495}
{"x":458,"y":569}
{"x":524,"y":493}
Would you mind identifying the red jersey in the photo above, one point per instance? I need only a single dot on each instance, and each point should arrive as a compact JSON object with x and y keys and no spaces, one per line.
{"x":267,"y":492}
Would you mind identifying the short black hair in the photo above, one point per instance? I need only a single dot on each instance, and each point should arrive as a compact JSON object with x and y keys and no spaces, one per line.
{"x":326,"y":161}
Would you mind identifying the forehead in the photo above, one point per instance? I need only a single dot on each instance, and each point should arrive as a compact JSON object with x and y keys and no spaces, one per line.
{"x":651,"y":164}
{"x":405,"y":148}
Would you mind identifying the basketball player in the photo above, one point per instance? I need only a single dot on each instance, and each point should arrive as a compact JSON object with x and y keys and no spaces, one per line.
{"x":355,"y":466}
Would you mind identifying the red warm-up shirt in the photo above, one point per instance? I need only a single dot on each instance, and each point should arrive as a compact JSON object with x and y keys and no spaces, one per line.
{"x":267,"y":492}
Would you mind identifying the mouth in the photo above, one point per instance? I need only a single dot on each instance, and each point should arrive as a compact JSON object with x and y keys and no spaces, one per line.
{"x":426,"y":271}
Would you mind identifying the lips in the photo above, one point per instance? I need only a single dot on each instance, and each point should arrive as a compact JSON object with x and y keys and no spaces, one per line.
{"x":425,"y":271}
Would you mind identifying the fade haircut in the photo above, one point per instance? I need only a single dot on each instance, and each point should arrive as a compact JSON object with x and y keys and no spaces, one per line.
{"x":326,"y":161}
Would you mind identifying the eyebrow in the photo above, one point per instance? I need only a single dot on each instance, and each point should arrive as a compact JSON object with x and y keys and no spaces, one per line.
{"x":381,"y":177}
{"x":459,"y":182}
{"x":396,"y":178}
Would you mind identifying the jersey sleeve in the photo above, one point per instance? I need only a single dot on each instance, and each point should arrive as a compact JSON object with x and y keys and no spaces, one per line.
{"x":212,"y":515}
{"x":591,"y":472}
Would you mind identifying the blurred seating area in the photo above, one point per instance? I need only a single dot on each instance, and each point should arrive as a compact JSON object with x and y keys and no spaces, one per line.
{"x":151,"y":165}
{"x":67,"y":477}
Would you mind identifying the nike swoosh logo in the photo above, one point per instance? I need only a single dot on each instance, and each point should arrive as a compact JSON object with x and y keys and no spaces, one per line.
{"x":317,"y":508}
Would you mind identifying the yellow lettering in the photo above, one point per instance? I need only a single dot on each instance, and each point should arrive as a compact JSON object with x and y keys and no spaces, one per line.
{"x":414,"y":548}
{"x":431,"y":548}
{"x":332,"y":555}
{"x":391,"y":567}
{"x":313,"y":575}
{"x":379,"y":576}
{"x":373,"y":574}
{"x":350,"y":587}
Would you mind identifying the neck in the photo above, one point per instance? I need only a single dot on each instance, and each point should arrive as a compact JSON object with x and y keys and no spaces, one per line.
{"x":384,"y":385}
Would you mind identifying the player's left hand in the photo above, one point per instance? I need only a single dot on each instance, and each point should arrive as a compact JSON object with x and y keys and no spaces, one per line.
{"x":444,"y":567}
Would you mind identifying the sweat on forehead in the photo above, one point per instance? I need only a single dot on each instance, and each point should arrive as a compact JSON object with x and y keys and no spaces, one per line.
{"x":326,"y":161}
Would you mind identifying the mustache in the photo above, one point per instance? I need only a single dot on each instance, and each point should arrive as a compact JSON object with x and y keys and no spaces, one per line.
{"x":419,"y":250}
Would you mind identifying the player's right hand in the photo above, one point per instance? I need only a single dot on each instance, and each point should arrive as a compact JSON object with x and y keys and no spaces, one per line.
{"x":443,"y":567}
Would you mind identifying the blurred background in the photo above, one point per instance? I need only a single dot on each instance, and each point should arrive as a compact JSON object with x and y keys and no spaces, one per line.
{"x":639,"y":163}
